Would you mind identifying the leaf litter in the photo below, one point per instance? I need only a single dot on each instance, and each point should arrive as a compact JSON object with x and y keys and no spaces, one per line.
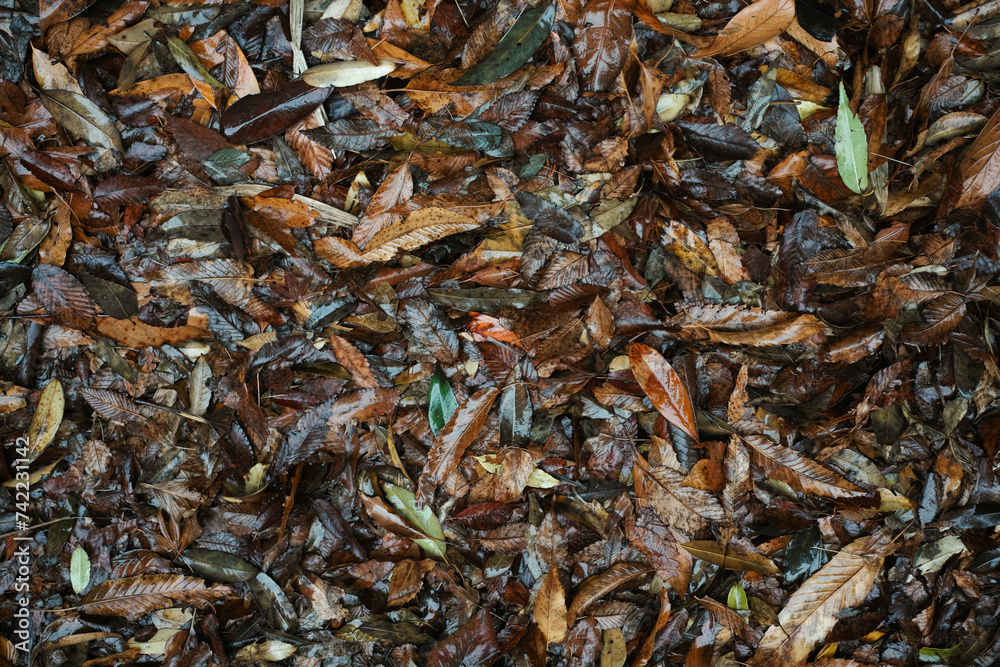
{"x":636,"y":332}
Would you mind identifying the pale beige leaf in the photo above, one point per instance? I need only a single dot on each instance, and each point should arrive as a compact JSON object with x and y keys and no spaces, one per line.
{"x":395,"y":190}
{"x":787,"y":465}
{"x":812,"y":610}
{"x":550,"y":609}
{"x":752,"y":26}
{"x":418,"y":229}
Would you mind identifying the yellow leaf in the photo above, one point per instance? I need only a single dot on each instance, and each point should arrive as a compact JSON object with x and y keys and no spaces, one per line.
{"x":48,"y":417}
{"x":550,"y":609}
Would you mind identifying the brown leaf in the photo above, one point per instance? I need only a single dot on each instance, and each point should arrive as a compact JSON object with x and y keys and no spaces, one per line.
{"x":596,"y":587}
{"x":407,"y":580}
{"x":730,"y":558}
{"x":460,"y":431}
{"x":662,"y":488}
{"x":601,"y":42}
{"x":787,"y":465}
{"x":355,"y":362}
{"x":550,"y":609}
{"x":474,"y":643}
{"x":812,"y":610}
{"x":663,"y":387}
{"x":752,"y":26}
{"x":383,"y":209}
{"x":980,"y":169}
{"x":112,"y":405}
{"x":64,"y":297}
{"x":132,"y":597}
{"x":136,"y":333}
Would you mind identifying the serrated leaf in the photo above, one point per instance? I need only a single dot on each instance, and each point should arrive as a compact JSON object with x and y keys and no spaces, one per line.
{"x":596,"y":587}
{"x":79,"y":570}
{"x":63,"y":297}
{"x":851,"y":147}
{"x":514,"y":49}
{"x":132,"y":597}
{"x":787,"y":465}
{"x":813,"y":610}
{"x":441,"y":402}
{"x":111,"y":405}
{"x":422,"y":518}
{"x":46,"y":420}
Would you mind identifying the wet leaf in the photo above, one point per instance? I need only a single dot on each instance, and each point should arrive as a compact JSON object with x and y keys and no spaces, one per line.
{"x":663,"y":387}
{"x":752,"y":26}
{"x":82,"y":118}
{"x":422,"y":518}
{"x":218,"y":566}
{"x":550,"y":608}
{"x":518,"y":44}
{"x":441,"y":402}
{"x":46,"y":420}
{"x":254,"y":118}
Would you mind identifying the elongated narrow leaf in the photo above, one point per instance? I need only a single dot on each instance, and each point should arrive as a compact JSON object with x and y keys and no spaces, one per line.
{"x":47,"y":419}
{"x":441,"y":402}
{"x":550,"y":608}
{"x":851,"y":147}
{"x":520,"y":42}
{"x":79,"y":570}
{"x":131,"y":597}
{"x":82,"y":118}
{"x":460,"y":431}
{"x":218,"y":565}
{"x":787,"y":465}
{"x":189,"y":62}
{"x":663,"y":387}
{"x":342,"y":74}
{"x":730,"y":559}
{"x":198,"y":392}
{"x":814,"y":608}
{"x":255,"y":118}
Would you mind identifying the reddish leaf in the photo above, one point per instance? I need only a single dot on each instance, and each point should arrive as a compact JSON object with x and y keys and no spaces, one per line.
{"x":255,"y":118}
{"x":663,"y":387}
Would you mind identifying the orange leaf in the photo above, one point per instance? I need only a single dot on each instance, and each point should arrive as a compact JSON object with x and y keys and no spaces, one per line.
{"x":663,"y":387}
{"x":752,"y":26}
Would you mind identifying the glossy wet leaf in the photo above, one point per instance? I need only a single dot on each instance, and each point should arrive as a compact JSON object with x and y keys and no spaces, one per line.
{"x":441,"y":403}
{"x":423,"y":518}
{"x":516,"y":47}
{"x":189,"y":62}
{"x":254,"y":118}
{"x":663,"y":387}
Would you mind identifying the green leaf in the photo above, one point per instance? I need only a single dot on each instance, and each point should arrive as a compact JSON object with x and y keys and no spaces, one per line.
{"x":441,"y":401}
{"x":79,"y":570}
{"x":422,"y":519}
{"x":189,"y":62}
{"x":738,"y":599}
{"x":851,"y":147}
{"x":520,"y":42}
